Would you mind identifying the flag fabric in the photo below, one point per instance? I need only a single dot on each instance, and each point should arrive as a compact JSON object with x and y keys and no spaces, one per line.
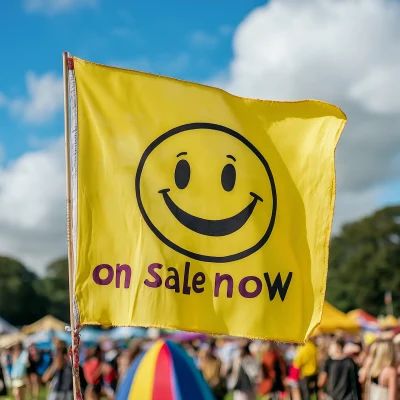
{"x":197,"y":210}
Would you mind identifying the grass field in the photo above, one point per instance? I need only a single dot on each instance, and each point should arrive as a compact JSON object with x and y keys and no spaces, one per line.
{"x":42,"y":396}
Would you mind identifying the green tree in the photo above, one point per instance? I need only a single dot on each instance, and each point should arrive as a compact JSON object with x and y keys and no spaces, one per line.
{"x":20,"y":303}
{"x":55,"y":286}
{"x":364,"y":263}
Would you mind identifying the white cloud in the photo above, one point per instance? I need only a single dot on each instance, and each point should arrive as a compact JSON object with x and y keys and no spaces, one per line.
{"x":345,"y":52}
{"x":51,"y":7}
{"x":44,"y":99}
{"x":376,"y":90}
{"x":339,"y":51}
{"x":32,"y":207}
{"x":352,"y":206}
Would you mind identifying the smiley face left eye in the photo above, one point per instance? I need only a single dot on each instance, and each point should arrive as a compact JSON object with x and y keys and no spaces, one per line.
{"x":182,"y":174}
{"x":228,"y":177}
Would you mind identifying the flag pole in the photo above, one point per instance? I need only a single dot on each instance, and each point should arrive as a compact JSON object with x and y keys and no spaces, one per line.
{"x":69,"y":215}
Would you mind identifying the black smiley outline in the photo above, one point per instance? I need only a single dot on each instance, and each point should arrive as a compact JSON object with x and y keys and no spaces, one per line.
{"x":168,"y":242}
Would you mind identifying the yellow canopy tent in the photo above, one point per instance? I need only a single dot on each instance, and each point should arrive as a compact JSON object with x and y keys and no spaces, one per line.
{"x":388,"y":322}
{"x":334,"y":320}
{"x":46,"y":324}
{"x":7,"y":341}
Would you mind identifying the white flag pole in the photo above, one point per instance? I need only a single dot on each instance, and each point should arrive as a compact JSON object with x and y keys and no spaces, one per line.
{"x":74,"y":328}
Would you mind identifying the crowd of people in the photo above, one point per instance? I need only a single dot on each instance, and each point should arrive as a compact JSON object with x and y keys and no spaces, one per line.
{"x":325,"y":368}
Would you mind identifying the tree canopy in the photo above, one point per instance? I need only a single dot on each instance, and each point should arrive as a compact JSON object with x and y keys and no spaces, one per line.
{"x":20,"y":301}
{"x":364,"y":263}
{"x":55,"y":286}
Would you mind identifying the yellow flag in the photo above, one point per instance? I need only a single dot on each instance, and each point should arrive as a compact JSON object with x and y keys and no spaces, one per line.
{"x":197,"y":210}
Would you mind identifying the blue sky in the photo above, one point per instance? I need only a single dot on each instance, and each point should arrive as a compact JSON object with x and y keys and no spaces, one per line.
{"x":189,"y":39}
{"x":343,"y":52}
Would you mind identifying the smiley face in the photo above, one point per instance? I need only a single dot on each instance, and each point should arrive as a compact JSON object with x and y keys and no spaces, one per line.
{"x":207,"y":192}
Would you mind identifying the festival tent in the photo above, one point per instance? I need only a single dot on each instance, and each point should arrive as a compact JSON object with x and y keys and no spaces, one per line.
{"x":126,"y":333}
{"x":365,"y":320}
{"x":45,"y":324}
{"x":388,"y":322}
{"x":166,"y":372}
{"x":90,"y":335}
{"x":6,"y":327}
{"x":43,"y":339}
{"x":361,"y":314}
{"x":334,"y":320}
{"x":7,"y":341}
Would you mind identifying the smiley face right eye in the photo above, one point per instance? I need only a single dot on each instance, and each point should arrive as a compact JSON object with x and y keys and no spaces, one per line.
{"x":182,"y":174}
{"x":228,"y":177}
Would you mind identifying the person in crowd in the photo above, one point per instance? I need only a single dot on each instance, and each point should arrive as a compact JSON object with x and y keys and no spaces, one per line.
{"x":20,"y":360}
{"x":396,"y":341}
{"x":293,"y":382}
{"x":33,"y":377}
{"x":3,"y":386}
{"x":190,"y":349}
{"x":272,"y":373}
{"x":339,"y":377}
{"x":6,"y":362}
{"x":211,"y":367}
{"x":365,"y":369}
{"x":110,"y":379}
{"x":290,"y":354}
{"x":322,"y":344}
{"x":382,"y":376}
{"x":46,"y":359}
{"x":354,"y":351}
{"x":59,"y":375}
{"x":243,"y":374}
{"x":306,"y":362}
{"x":127,"y":357}
{"x":92,"y":369}
{"x":226,"y":351}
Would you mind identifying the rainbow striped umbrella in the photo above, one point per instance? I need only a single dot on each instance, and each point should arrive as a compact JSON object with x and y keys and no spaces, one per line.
{"x":164,"y":372}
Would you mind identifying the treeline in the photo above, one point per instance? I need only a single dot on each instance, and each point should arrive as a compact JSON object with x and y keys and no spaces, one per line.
{"x":364,"y":263}
{"x":25,"y":297}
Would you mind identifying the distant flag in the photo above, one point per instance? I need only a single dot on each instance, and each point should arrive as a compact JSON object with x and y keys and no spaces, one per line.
{"x":197,"y":210}
{"x":388,"y":298}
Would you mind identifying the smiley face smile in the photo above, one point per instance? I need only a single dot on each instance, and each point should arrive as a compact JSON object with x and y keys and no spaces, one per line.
{"x":207,"y":192}
{"x":219,"y":227}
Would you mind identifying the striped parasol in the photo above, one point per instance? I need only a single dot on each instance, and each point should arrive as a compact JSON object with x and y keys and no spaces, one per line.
{"x":164,"y":372}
